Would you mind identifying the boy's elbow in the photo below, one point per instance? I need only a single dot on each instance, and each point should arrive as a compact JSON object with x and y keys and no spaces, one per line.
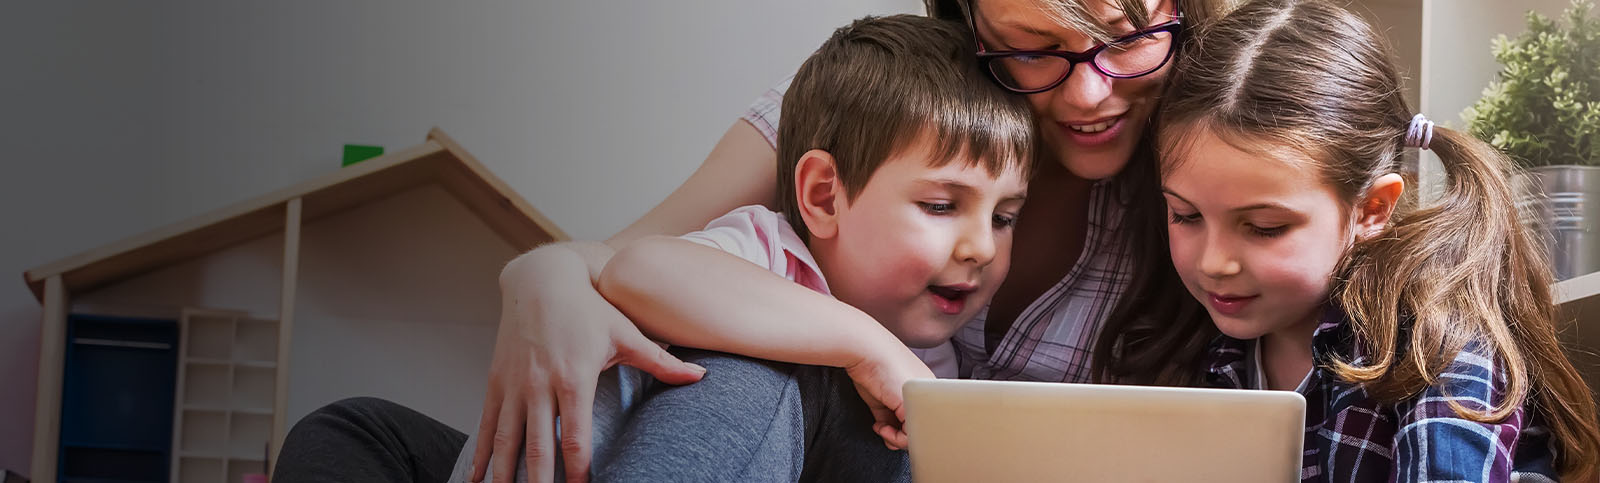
{"x":633,"y":269}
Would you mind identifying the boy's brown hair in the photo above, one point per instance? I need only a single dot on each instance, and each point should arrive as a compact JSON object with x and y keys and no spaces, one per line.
{"x":881,"y":84}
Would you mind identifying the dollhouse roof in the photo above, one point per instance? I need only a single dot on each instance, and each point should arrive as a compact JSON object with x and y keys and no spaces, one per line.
{"x":437,"y":160}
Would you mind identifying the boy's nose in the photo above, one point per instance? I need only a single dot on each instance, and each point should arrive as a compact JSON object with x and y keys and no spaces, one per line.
{"x":976,"y":245}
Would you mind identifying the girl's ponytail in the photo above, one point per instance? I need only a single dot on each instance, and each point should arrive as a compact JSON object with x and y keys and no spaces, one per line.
{"x":1452,"y":272}
{"x":1468,"y":272}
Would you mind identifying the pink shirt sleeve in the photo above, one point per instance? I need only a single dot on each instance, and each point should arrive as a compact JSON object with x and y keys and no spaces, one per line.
{"x":764,"y":238}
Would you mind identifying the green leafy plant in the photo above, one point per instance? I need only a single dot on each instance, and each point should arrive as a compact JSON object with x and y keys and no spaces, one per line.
{"x":1544,"y":106}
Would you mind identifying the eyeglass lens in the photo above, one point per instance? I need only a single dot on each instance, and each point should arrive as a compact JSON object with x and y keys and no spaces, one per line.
{"x":1127,"y":57}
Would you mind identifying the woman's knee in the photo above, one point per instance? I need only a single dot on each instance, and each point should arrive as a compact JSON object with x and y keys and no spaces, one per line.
{"x":361,"y":405}
{"x":348,"y":411}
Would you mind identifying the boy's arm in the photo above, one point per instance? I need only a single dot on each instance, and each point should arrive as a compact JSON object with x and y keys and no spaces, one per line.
{"x":687,"y":294}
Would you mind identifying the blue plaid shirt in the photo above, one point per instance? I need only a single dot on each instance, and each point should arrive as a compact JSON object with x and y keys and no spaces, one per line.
{"x":1351,"y":437}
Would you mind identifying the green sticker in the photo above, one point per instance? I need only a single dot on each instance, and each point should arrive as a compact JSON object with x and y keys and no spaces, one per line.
{"x":355,"y":153}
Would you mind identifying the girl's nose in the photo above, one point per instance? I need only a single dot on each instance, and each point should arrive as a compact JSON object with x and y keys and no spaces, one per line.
{"x":1219,"y":262}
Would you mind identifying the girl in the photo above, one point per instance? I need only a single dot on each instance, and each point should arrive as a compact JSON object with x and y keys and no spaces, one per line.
{"x":1423,"y":340}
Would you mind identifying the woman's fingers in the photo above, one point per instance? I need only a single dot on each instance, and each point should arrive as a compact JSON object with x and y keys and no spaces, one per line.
{"x":638,"y":351}
{"x":576,"y":403}
{"x":539,"y":447}
{"x":486,"y":430}
{"x":507,"y":440}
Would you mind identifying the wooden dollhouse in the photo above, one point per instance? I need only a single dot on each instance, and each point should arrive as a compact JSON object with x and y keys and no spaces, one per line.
{"x":184,"y":354}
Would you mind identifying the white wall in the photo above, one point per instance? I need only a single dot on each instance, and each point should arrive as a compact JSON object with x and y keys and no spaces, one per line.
{"x":1400,"y":22}
{"x":1458,"y":65}
{"x":118,"y":117}
{"x":1457,"y":36}
{"x":397,"y":299}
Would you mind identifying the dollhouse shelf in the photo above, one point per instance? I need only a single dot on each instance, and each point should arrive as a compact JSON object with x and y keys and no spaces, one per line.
{"x":229,"y":409}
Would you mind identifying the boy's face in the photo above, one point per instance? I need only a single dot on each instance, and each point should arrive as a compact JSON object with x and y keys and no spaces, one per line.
{"x":922,"y":249}
{"x":1255,"y":238}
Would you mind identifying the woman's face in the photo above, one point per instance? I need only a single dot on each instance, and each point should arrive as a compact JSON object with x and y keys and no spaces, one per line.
{"x":1090,"y":123}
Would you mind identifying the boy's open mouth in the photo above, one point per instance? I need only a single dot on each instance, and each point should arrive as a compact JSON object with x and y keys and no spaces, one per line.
{"x":949,"y":300}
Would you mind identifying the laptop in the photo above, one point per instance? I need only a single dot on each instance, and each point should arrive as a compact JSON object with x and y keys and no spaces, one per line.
{"x":962,"y":430}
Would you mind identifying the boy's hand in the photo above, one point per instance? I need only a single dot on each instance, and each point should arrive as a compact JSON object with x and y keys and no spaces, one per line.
{"x":886,"y":421}
{"x":879,"y":380}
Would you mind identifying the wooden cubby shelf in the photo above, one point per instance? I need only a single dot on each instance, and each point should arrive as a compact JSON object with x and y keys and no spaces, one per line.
{"x":227,"y":384}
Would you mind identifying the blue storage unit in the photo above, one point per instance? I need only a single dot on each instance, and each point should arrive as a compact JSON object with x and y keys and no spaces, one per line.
{"x":117,"y":399}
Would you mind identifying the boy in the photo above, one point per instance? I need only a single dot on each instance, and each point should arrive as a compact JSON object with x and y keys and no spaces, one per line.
{"x":901,"y":172}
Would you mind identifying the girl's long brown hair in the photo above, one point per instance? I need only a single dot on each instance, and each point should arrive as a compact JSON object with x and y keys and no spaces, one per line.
{"x":1461,"y":273}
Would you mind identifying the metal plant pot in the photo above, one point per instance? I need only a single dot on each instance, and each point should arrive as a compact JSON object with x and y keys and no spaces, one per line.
{"x":1563,"y":204}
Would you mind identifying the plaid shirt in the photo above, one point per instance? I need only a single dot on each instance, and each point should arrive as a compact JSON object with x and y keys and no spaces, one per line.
{"x":1351,"y":437}
{"x":1052,"y":339}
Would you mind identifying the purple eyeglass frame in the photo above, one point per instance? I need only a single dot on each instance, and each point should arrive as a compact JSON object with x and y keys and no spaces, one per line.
{"x":987,"y":57}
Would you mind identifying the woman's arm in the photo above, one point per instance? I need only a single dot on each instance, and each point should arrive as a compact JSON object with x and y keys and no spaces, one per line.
{"x":557,"y":334}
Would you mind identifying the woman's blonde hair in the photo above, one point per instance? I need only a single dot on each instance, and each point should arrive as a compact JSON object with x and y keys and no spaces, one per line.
{"x":1077,"y":15}
{"x":1462,"y":272}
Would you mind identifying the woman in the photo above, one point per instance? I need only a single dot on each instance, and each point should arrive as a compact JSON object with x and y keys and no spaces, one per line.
{"x":1091,"y":297}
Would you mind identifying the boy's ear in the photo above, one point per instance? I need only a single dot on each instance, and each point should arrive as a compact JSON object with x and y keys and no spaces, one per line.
{"x":1377,"y":206}
{"x":819,"y":193}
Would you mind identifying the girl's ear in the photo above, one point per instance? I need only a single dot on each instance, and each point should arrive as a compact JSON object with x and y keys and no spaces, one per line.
{"x":819,"y":193}
{"x":1377,"y":206}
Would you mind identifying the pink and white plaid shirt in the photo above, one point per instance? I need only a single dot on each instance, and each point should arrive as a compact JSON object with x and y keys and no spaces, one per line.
{"x":765,"y":238}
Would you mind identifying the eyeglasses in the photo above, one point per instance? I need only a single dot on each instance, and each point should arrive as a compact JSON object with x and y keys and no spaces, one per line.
{"x":1030,"y":71}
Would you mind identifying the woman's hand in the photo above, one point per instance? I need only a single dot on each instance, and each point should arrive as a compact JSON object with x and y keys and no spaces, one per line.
{"x":880,"y":378}
{"x":556,"y":335}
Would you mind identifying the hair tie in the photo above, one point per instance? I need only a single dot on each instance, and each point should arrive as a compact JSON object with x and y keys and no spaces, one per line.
{"x":1419,"y":133}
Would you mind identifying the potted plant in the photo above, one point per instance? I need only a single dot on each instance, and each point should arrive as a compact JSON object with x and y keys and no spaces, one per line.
{"x":1543,"y":109}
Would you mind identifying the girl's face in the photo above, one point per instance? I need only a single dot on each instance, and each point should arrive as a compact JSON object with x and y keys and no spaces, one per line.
{"x":1089,"y":123}
{"x":1256,"y":238}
